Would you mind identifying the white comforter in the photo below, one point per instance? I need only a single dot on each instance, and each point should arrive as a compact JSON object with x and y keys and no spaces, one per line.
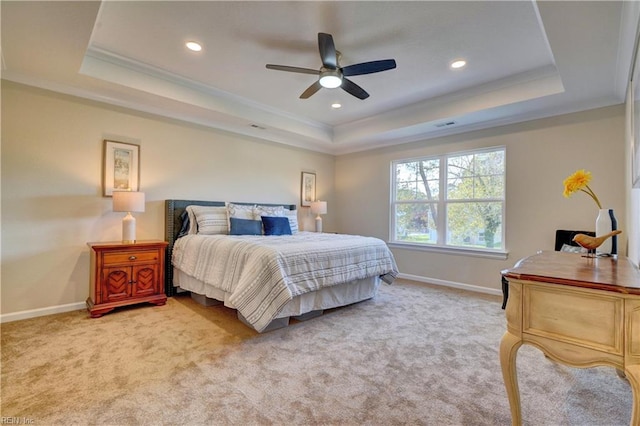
{"x":262,"y":274}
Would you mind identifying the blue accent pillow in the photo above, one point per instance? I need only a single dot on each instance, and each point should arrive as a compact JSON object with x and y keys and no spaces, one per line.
{"x":276,"y":225}
{"x":245,"y":226}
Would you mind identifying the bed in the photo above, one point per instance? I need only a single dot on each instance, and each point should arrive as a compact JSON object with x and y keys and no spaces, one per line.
{"x":270,"y":278}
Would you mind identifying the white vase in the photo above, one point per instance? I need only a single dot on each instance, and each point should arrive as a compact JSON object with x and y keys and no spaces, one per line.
{"x":605,"y":223}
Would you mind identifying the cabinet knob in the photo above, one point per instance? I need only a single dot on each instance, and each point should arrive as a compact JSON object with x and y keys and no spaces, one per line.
{"x":132,"y":258}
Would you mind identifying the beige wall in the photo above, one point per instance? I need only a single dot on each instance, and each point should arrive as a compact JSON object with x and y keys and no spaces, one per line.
{"x":51,"y":185}
{"x":540,"y":155}
{"x":52,"y":203}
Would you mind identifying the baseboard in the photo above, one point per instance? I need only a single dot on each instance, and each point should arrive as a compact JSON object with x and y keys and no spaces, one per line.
{"x":33,"y":313}
{"x":453,"y":284}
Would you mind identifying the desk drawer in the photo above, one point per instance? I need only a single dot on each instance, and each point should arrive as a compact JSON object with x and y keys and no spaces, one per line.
{"x":129,"y":257}
{"x":587,"y":318}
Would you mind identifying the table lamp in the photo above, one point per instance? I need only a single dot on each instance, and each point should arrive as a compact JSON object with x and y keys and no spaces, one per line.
{"x":128,"y":201}
{"x":318,"y":208}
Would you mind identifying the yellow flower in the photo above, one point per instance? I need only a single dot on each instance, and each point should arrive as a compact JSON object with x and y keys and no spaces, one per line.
{"x":579,"y":181}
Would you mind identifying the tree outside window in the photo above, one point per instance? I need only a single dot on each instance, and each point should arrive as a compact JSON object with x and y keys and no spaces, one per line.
{"x":454,"y":200}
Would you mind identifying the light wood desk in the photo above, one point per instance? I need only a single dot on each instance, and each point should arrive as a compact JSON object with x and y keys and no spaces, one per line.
{"x":580,"y":312}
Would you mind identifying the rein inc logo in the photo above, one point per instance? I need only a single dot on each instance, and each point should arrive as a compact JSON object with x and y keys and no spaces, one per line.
{"x":6,"y":420}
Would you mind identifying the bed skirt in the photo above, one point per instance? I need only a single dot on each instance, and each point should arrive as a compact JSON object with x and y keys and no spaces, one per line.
{"x":325,"y":298}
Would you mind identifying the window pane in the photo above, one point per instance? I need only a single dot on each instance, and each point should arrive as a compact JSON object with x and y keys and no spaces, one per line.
{"x":460,"y":175}
{"x":489,"y":186}
{"x":490,"y":163}
{"x":475,"y":224}
{"x":416,"y":223}
{"x":417,"y":180}
{"x":476,"y":176}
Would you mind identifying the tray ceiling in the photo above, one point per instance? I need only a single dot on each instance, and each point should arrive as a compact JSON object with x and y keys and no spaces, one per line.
{"x":525,"y":60}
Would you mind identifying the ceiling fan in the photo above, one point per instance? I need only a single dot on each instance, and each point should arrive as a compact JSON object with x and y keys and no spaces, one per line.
{"x":331,"y":74}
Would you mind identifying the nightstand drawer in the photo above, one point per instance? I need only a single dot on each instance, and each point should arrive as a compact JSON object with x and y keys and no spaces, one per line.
{"x":125,"y":257}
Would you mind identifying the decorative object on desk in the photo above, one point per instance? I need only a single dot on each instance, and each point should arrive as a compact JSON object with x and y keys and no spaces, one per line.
{"x":591,"y":243}
{"x":579,"y":181}
{"x":120,"y":168}
{"x":605,"y":221}
{"x":318,"y":208}
{"x":128,"y":201}
{"x":308,"y":189}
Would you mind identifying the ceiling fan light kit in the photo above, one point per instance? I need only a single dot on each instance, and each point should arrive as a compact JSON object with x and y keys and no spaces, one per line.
{"x":331,"y":74}
{"x":330,"y":79}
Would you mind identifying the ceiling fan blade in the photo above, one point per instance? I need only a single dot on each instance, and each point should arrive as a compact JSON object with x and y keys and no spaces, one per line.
{"x":353,"y":89}
{"x":327,"y":51}
{"x":292,"y":69}
{"x":311,"y":90}
{"x":369,"y":67}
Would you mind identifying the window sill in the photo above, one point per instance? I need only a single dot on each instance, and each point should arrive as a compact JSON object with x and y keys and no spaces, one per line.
{"x":488,"y":254}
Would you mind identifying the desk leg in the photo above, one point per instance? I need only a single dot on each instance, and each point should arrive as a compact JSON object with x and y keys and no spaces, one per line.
{"x":633,"y":375}
{"x":509,"y":346}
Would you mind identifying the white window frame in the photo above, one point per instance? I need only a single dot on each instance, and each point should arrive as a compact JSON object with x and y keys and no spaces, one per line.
{"x":441,"y":245}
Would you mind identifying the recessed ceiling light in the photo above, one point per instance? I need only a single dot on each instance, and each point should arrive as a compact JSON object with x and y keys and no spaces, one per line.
{"x":459,"y":63}
{"x":336,"y":105}
{"x":192,"y":45}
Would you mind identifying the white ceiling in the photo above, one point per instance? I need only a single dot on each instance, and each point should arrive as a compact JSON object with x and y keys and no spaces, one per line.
{"x":525,"y":59}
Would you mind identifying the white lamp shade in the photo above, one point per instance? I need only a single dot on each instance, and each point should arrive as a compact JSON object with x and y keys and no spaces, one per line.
{"x":319,"y":207}
{"x":128,"y":201}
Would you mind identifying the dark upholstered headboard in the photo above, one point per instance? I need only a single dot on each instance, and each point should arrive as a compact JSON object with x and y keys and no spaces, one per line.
{"x":173,"y":224}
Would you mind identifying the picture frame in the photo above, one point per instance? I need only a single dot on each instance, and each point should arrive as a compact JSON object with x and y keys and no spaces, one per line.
{"x":307,"y":189}
{"x":121,"y":167}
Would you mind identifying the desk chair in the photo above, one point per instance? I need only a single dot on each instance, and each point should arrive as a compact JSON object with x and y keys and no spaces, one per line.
{"x":563,"y":237}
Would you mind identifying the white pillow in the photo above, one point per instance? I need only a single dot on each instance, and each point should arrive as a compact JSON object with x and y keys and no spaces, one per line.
{"x":277,"y":211}
{"x":292,"y":215}
{"x":211,"y":220}
{"x":193,"y":223}
{"x":240,"y":211}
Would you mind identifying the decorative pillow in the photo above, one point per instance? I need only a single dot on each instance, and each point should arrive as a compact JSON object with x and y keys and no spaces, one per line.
{"x":193,"y":224}
{"x":212,"y":220}
{"x":245,"y":226}
{"x":276,"y":225}
{"x":292,"y":215}
{"x":268,"y":211}
{"x":241,"y":211}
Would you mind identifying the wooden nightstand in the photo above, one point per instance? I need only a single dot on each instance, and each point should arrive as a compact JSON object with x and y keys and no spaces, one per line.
{"x":124,"y":274}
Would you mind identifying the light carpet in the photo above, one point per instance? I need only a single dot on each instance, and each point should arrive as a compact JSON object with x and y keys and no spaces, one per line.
{"x":415,"y":354}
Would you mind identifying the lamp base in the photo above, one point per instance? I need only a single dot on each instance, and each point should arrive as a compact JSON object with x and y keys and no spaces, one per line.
{"x":318,"y":224}
{"x":128,"y":229}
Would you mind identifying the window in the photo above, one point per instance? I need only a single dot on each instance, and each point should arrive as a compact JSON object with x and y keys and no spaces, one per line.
{"x":453,"y":200}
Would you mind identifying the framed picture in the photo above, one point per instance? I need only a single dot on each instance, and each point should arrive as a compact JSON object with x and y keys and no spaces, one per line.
{"x":121,"y":167}
{"x":308,"y":189}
